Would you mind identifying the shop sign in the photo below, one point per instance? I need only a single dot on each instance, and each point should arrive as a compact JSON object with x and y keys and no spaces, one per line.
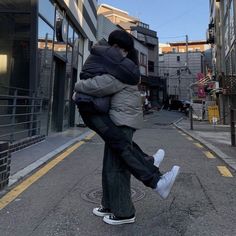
{"x":61,"y":30}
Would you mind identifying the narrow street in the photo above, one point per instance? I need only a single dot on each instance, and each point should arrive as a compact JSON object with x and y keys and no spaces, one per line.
{"x":60,"y":202}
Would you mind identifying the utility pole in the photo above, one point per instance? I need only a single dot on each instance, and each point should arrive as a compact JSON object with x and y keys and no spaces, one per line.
{"x":186,"y":51}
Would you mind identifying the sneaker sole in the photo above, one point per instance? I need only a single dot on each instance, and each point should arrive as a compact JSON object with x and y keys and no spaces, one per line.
{"x":161,"y":158}
{"x":176,"y":172}
{"x":100,"y":214}
{"x":118,"y":222}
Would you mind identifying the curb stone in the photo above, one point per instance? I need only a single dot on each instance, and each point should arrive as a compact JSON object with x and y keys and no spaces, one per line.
{"x":27,"y":170}
{"x":227,"y":159}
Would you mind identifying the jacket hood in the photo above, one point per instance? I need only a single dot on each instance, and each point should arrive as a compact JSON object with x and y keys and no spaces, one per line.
{"x":107,"y":59}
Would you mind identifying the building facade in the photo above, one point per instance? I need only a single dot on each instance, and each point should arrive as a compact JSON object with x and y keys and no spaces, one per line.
{"x":190,"y":46}
{"x":42,"y":47}
{"x":221,"y":36}
{"x":178,"y":74}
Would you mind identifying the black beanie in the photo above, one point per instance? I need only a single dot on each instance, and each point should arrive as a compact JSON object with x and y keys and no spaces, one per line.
{"x":122,"y":39}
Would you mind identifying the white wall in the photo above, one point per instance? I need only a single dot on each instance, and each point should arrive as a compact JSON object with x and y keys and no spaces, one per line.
{"x":71,"y":4}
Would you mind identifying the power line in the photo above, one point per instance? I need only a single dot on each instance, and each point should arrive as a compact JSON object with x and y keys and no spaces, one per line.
{"x":172,"y":37}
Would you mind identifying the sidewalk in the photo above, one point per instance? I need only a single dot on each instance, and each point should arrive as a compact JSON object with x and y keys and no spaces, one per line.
{"x":26,"y":160}
{"x":215,"y":137}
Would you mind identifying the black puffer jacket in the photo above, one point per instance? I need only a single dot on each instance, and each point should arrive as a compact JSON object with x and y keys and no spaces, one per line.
{"x":105,"y":59}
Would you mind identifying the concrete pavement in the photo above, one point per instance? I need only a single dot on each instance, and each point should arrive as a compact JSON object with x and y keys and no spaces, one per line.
{"x":24,"y":161}
{"x":215,"y":138}
{"x":61,"y":201}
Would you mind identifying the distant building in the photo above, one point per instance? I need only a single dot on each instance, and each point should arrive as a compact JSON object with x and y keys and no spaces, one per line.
{"x":179,"y":75}
{"x":192,"y":46}
{"x":42,"y":47}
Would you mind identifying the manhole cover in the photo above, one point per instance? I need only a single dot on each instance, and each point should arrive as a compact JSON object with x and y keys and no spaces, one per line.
{"x":95,"y":195}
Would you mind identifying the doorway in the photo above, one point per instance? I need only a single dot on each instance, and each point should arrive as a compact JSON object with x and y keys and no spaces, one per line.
{"x":58,"y":95}
{"x":72,"y":104}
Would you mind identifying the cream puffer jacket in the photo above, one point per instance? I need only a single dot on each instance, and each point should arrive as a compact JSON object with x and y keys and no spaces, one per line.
{"x":125,"y":99}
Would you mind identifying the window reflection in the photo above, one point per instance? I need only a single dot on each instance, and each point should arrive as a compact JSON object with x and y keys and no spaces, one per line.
{"x":15,"y":5}
{"x":3,"y":63}
{"x":45,"y":43}
{"x":61,"y":34}
{"x":45,"y":46}
{"x":14,"y":50}
{"x":46,"y":9}
{"x":70,"y":35}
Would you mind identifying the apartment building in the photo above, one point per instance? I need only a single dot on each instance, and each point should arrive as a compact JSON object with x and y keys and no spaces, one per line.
{"x":183,"y":46}
{"x":221,"y":36}
{"x":180,"y":74}
{"x":42,"y":47}
{"x":151,"y":82}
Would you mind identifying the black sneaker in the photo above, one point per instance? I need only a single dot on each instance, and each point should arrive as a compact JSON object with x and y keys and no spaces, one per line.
{"x":101,"y":211}
{"x":113,"y":220}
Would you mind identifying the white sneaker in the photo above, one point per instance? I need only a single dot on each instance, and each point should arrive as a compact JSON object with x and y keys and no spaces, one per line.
{"x":166,"y":182}
{"x":158,"y":157}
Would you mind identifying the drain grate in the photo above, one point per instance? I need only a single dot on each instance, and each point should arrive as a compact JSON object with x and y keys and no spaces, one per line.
{"x":95,"y":195}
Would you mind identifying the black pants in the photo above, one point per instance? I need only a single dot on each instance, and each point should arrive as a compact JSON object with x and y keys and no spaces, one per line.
{"x":116,"y":181}
{"x":120,"y":145}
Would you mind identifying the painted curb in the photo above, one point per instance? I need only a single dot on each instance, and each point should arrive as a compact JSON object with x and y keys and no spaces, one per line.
{"x":227,"y":159}
{"x":27,"y":170}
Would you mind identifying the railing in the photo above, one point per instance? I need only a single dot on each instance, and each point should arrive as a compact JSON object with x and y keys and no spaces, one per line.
{"x":232,"y":126}
{"x":20,"y":112}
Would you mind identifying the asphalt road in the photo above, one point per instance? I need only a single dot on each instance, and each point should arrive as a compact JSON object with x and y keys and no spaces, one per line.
{"x":60,"y":199}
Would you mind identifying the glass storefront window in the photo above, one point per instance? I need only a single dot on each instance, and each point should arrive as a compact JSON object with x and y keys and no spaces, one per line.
{"x":14,"y":71}
{"x":70,"y":35}
{"x":81,"y":45}
{"x":46,"y":9}
{"x":233,"y":62}
{"x":15,"y":50}
{"x":45,"y":46}
{"x":67,"y":88}
{"x":45,"y":43}
{"x":15,"y":5}
{"x":61,"y":35}
{"x":75,"y":51}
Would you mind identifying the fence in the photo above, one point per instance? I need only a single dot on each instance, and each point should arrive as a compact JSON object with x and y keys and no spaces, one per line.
{"x":20,"y":113}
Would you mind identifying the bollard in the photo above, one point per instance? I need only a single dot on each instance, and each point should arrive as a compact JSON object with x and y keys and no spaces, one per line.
{"x":191,"y":117}
{"x":232,"y":127}
{"x":4,"y":164}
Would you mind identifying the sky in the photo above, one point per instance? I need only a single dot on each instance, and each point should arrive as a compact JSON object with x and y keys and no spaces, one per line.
{"x":171,"y":19}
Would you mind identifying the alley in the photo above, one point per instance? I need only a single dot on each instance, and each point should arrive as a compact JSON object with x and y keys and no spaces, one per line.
{"x":60,"y":202}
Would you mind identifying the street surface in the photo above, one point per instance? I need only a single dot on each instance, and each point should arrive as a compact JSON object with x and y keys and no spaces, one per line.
{"x":60,"y":200}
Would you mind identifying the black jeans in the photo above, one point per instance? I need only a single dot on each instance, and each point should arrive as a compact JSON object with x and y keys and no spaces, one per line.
{"x":117,"y":141}
{"x":116,"y":181}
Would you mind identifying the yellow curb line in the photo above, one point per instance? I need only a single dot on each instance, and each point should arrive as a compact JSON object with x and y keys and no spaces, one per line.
{"x":15,"y":192}
{"x":198,"y":145}
{"x":209,"y":155}
{"x":224,"y":171}
{"x":189,"y":138}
